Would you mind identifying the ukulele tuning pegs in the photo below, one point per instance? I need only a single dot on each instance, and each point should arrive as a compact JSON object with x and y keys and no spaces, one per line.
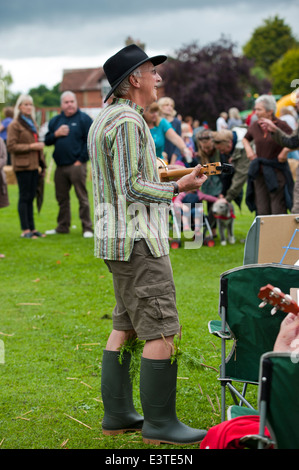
{"x":262,"y":304}
{"x":288,"y":299}
{"x":274,"y":310}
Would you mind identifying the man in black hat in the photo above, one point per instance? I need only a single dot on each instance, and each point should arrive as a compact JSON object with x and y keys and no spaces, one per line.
{"x":131,"y":236}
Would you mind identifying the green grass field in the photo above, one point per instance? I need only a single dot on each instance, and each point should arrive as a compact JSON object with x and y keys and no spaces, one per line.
{"x":55,"y":317}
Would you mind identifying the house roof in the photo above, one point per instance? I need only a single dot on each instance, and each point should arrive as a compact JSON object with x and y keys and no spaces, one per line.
{"x":82,"y":79}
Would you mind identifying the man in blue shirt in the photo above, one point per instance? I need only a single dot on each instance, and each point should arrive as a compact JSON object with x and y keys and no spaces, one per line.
{"x":68,"y":133}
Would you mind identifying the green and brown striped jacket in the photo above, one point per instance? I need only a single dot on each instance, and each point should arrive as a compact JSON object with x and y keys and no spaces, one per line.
{"x":130,"y":202}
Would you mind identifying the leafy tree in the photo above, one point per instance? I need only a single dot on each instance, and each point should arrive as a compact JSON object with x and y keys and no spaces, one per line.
{"x":284,"y":71}
{"x":205,"y":81}
{"x":45,"y":97}
{"x":269,"y":42}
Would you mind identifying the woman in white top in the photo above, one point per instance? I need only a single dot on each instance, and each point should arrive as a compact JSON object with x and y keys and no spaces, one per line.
{"x":221,"y":123}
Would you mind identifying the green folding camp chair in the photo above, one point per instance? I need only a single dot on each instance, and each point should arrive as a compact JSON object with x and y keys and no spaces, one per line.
{"x":278,"y":405}
{"x":250,"y":330}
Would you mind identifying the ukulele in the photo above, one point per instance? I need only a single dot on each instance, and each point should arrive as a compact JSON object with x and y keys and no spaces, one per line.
{"x":209,"y":169}
{"x":280,"y":301}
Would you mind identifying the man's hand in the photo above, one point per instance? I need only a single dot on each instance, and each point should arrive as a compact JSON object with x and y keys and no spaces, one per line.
{"x":192,"y":181}
{"x":62,"y":131}
{"x":288,"y":333}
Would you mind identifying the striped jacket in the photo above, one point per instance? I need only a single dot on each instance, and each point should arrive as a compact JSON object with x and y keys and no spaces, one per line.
{"x":130,"y":202}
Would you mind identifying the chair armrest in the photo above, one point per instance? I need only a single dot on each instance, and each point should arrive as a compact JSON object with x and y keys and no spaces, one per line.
{"x":215,"y":328}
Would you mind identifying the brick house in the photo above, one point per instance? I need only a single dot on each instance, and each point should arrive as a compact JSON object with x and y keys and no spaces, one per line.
{"x":87,"y":84}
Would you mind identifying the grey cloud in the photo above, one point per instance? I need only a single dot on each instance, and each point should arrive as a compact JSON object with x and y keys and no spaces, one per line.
{"x":18,"y":12}
{"x":37,"y":28}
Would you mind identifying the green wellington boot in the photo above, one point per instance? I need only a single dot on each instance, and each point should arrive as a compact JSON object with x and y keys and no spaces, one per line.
{"x":120,"y":415}
{"x":158,"y":399}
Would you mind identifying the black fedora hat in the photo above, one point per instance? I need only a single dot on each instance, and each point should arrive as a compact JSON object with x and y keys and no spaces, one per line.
{"x":120,"y":65}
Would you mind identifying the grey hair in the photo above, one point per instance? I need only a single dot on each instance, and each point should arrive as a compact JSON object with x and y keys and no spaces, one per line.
{"x":66,"y":93}
{"x":23,"y":97}
{"x":268,"y":102}
{"x":124,"y":86}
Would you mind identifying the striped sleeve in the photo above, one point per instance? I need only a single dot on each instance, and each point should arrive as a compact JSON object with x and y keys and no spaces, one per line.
{"x":134,"y":177}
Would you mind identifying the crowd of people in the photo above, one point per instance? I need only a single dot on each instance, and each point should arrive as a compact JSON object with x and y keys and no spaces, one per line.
{"x":260,"y":161}
{"x":123,"y":144}
{"x":258,"y":157}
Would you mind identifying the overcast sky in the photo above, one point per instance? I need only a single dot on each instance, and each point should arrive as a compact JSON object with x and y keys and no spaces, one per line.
{"x":38,"y":39}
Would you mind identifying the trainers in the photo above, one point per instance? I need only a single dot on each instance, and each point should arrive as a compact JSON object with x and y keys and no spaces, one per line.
{"x":51,"y":232}
{"x":88,"y":234}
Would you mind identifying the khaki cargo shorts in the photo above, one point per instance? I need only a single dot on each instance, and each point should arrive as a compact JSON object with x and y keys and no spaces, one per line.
{"x":145,"y":294}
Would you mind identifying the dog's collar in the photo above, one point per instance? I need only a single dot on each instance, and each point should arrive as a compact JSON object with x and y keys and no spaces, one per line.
{"x":231,"y":216}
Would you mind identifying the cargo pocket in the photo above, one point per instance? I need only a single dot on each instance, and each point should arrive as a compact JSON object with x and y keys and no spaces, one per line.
{"x":156,"y":302}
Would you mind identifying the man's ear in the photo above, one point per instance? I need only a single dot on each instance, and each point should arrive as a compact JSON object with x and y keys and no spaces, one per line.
{"x":133,"y":79}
